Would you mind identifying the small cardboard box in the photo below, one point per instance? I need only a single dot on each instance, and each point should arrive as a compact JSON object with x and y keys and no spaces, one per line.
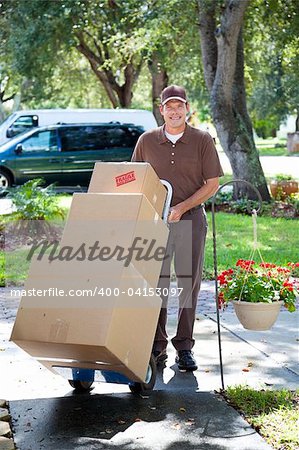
{"x":87,"y":315}
{"x":129,"y":178}
{"x":109,"y":223}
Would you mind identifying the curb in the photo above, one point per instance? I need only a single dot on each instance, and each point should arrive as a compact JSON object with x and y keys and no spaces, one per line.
{"x":6,"y":440}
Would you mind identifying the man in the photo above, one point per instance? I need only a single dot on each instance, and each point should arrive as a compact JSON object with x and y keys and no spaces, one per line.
{"x":187,"y":158}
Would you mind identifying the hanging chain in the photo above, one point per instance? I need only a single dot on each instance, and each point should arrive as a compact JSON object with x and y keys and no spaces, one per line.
{"x":254,"y":223}
{"x":255,"y":242}
{"x":255,"y":249}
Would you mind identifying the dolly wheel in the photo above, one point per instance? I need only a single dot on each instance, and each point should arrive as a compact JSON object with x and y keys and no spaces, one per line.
{"x":148,"y":385}
{"x":81,"y":385}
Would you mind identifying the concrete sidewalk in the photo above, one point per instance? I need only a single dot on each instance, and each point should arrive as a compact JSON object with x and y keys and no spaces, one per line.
{"x":272,"y":165}
{"x":183,"y":412}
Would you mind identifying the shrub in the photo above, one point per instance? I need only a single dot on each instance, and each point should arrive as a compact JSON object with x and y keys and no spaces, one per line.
{"x":33,"y":202}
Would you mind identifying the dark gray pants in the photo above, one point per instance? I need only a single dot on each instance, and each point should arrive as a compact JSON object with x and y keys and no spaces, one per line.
{"x":185,"y":244}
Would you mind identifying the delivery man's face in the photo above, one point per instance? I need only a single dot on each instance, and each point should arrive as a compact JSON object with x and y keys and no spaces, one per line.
{"x":174,"y":113}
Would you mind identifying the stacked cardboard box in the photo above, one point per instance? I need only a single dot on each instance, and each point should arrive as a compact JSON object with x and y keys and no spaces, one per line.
{"x":129,"y":178}
{"x":112,"y":250}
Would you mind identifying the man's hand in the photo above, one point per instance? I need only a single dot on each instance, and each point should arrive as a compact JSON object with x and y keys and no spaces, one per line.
{"x":199,"y":197}
{"x":175,"y":214}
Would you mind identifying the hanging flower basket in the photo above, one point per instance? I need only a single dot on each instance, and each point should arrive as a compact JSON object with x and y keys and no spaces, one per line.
{"x":258,"y":291}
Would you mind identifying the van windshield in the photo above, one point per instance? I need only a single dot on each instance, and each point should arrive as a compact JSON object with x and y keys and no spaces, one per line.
{"x":16,"y":139}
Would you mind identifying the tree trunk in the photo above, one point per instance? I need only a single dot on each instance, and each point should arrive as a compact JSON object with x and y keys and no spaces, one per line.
{"x":225,"y":82}
{"x":2,"y":112}
{"x":125,"y":92}
{"x":297,"y":123}
{"x":159,"y":82}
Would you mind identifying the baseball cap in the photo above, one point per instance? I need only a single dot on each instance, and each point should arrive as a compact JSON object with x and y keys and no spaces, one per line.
{"x":173,"y":93}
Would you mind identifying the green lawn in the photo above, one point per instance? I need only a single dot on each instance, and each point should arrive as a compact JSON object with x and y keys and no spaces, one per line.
{"x":278,"y":240}
{"x":278,"y":243}
{"x":16,"y":268}
{"x":272,"y":147}
{"x":274,"y":414}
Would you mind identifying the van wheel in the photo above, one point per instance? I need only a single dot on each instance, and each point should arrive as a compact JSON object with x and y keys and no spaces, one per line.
{"x":5,"y":179}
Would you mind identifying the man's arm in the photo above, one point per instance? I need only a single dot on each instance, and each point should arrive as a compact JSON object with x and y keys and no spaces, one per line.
{"x":200,"y":196}
{"x":137,"y":154}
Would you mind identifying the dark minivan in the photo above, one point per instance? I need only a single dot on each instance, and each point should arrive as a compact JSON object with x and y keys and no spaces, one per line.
{"x":65,"y":154}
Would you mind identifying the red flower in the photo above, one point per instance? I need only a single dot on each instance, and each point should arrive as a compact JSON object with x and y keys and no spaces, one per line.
{"x":222,"y":280}
{"x":283,"y":270}
{"x":221,"y":300}
{"x":288,"y":285}
{"x":225,"y":276}
{"x":293,"y":264}
{"x":245,"y":264}
{"x":268,"y":265}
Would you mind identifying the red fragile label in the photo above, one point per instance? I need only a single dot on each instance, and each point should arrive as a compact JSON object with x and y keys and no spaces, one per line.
{"x":125,"y":178}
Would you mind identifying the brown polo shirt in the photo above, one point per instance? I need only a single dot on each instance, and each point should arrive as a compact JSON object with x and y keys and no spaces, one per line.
{"x":187,"y":164}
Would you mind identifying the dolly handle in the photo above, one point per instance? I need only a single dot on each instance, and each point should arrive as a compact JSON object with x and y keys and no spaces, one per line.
{"x":166,"y":208}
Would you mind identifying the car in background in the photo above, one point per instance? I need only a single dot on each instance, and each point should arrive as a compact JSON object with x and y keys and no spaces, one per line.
{"x":24,"y":120}
{"x":65,"y":154}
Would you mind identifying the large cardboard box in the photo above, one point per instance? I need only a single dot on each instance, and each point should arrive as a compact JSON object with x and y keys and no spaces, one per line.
{"x":129,"y":178}
{"x":112,"y":222}
{"x":87,"y":315}
{"x":108,"y":313}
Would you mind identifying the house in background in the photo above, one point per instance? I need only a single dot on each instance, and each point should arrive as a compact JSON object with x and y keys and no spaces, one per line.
{"x":288,"y":126}
{"x":288,"y":131}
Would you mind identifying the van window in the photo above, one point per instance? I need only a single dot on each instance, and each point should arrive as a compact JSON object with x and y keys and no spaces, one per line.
{"x":96,"y":138}
{"x":40,"y":141}
{"x":122,"y":137}
{"x":80,"y":138}
{"x":22,"y":123}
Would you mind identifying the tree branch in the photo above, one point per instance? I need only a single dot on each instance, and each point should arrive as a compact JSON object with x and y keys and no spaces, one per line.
{"x":106,"y":77}
{"x":97,"y":46}
{"x":11,"y":97}
{"x":86,"y":51}
{"x":138,"y":70}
